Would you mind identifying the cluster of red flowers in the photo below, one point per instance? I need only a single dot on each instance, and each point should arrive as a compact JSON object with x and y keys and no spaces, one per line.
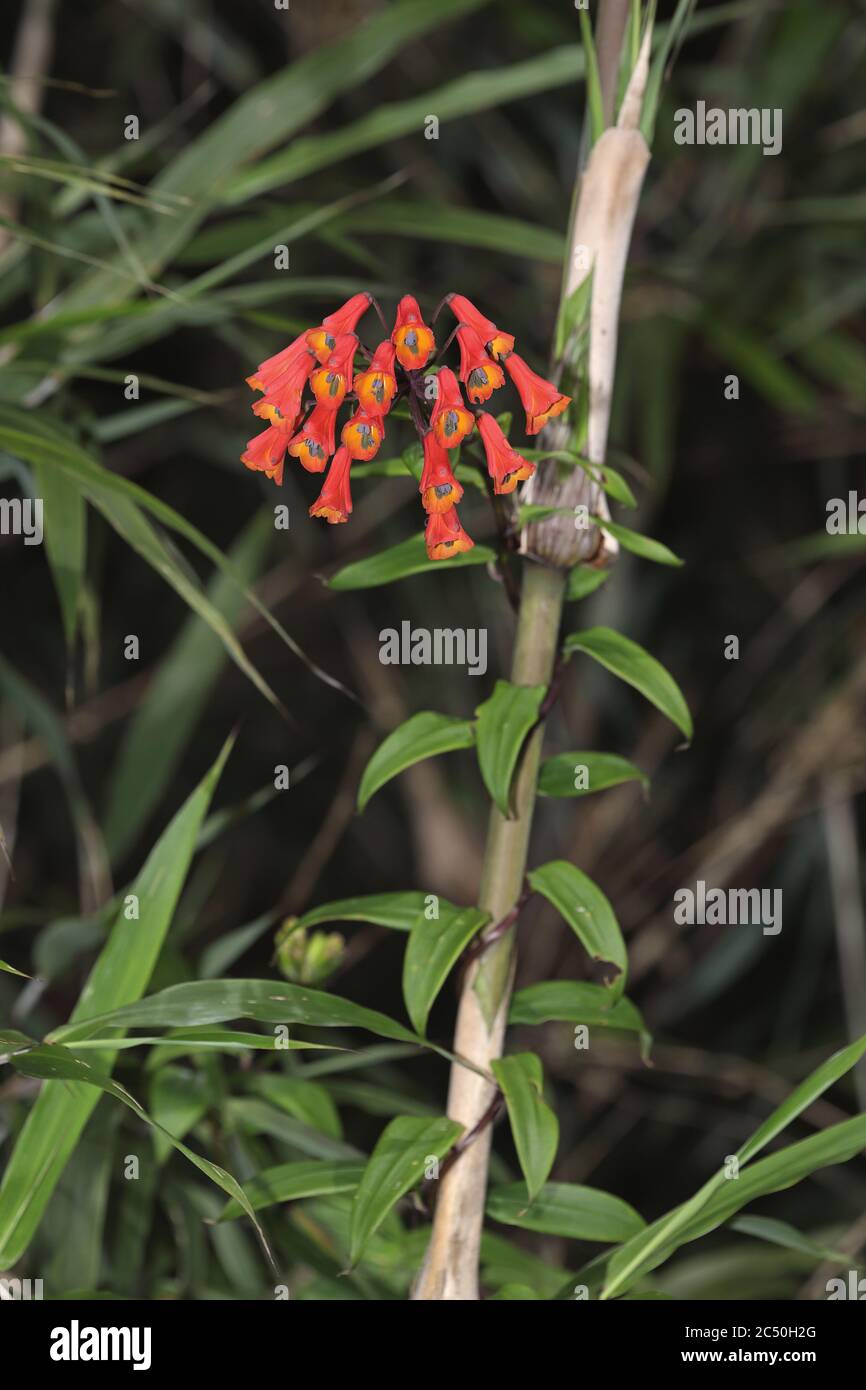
{"x":323,"y":360}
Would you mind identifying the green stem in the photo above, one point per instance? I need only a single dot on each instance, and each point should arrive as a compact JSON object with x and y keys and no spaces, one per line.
{"x":504,"y":868}
{"x":450,"y":1270}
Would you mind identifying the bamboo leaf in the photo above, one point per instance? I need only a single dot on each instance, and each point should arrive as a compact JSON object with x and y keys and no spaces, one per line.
{"x":565,"y":1209}
{"x":399,"y":911}
{"x":408,"y":557}
{"x":395,"y":1166}
{"x":121,"y":973}
{"x":558,"y":775}
{"x":577,"y":1001}
{"x":65,"y":526}
{"x":425,"y":735}
{"x":587,"y":911}
{"x":533,"y":1124}
{"x":632,"y":664}
{"x":644,"y":546}
{"x":431,"y":951}
{"x":504,"y":721}
{"x":201,"y":1002}
{"x":290,"y":1182}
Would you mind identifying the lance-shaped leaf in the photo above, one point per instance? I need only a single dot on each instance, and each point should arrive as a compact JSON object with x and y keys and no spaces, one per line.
{"x":565,"y":1209}
{"x":396,"y":1165}
{"x":660,"y":1239}
{"x":583,"y":581}
{"x":431,"y":951}
{"x":503,"y":724}
{"x":119,"y":976}
{"x":577,"y":1001}
{"x":289,"y":1182}
{"x":202,"y":1002}
{"x":65,"y":526}
{"x":581,"y":773}
{"x":10,"y":970}
{"x":425,"y":735}
{"x":586,"y":910}
{"x":644,"y":546}
{"x":533,"y":1124}
{"x":408,"y":557}
{"x":632,"y":664}
{"x":399,"y":911}
{"x":52,"y":1063}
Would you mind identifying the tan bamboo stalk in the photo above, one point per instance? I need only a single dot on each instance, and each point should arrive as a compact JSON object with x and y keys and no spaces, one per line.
{"x":602,"y":219}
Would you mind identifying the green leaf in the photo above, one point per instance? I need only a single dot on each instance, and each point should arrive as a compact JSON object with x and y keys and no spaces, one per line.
{"x":583,"y":581}
{"x":593,"y":80}
{"x":395,"y":1166}
{"x":576,"y":1001}
{"x":216,"y":1001}
{"x":670,"y":1231}
{"x":306,"y":1100}
{"x":425,"y":735}
{"x":504,"y":721}
{"x":289,"y":1182}
{"x":645,"y":546}
{"x":10,"y":970}
{"x":558,"y":774}
{"x":780,"y":1233}
{"x":399,"y":911}
{"x":483,"y":90}
{"x":65,"y":526}
{"x":565,"y":1209}
{"x":533,"y":1124}
{"x":155,"y":737}
{"x":119,"y":976}
{"x":635,"y":666}
{"x":586,"y":910}
{"x":408,"y":557}
{"x":431,"y":951}
{"x":52,"y":1063}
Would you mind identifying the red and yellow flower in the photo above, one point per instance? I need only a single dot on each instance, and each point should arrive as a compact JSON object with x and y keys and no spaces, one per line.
{"x":322,"y":340}
{"x":439,"y":488}
{"x":314,"y":442}
{"x":281,"y":403}
{"x":330,"y":383}
{"x":504,"y":464}
{"x":377,"y":386}
{"x":334,"y":502}
{"x":540,"y":398}
{"x":496,"y":342}
{"x":444,"y":536}
{"x":479,"y":373}
{"x":362,"y":435}
{"x":265,"y":453}
{"x":450,"y":420}
{"x":413,"y":340}
{"x":266,"y":372}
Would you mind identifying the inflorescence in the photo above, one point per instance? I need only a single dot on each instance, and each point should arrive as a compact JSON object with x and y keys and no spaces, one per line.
{"x":322,"y":360}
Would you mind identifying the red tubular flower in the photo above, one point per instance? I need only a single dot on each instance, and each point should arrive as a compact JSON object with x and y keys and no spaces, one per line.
{"x":450,"y":420}
{"x":275,"y":366}
{"x":334,"y":502}
{"x":479,"y":373}
{"x":540,"y":398}
{"x":322,"y":340}
{"x":362,"y":435}
{"x":282,"y":402}
{"x":439,"y":488}
{"x":331,"y":382}
{"x":314,"y":442}
{"x":444,"y":536}
{"x":413,"y":340}
{"x":498,"y":344}
{"x":377,"y":386}
{"x":504,"y":464}
{"x":266,"y":451}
